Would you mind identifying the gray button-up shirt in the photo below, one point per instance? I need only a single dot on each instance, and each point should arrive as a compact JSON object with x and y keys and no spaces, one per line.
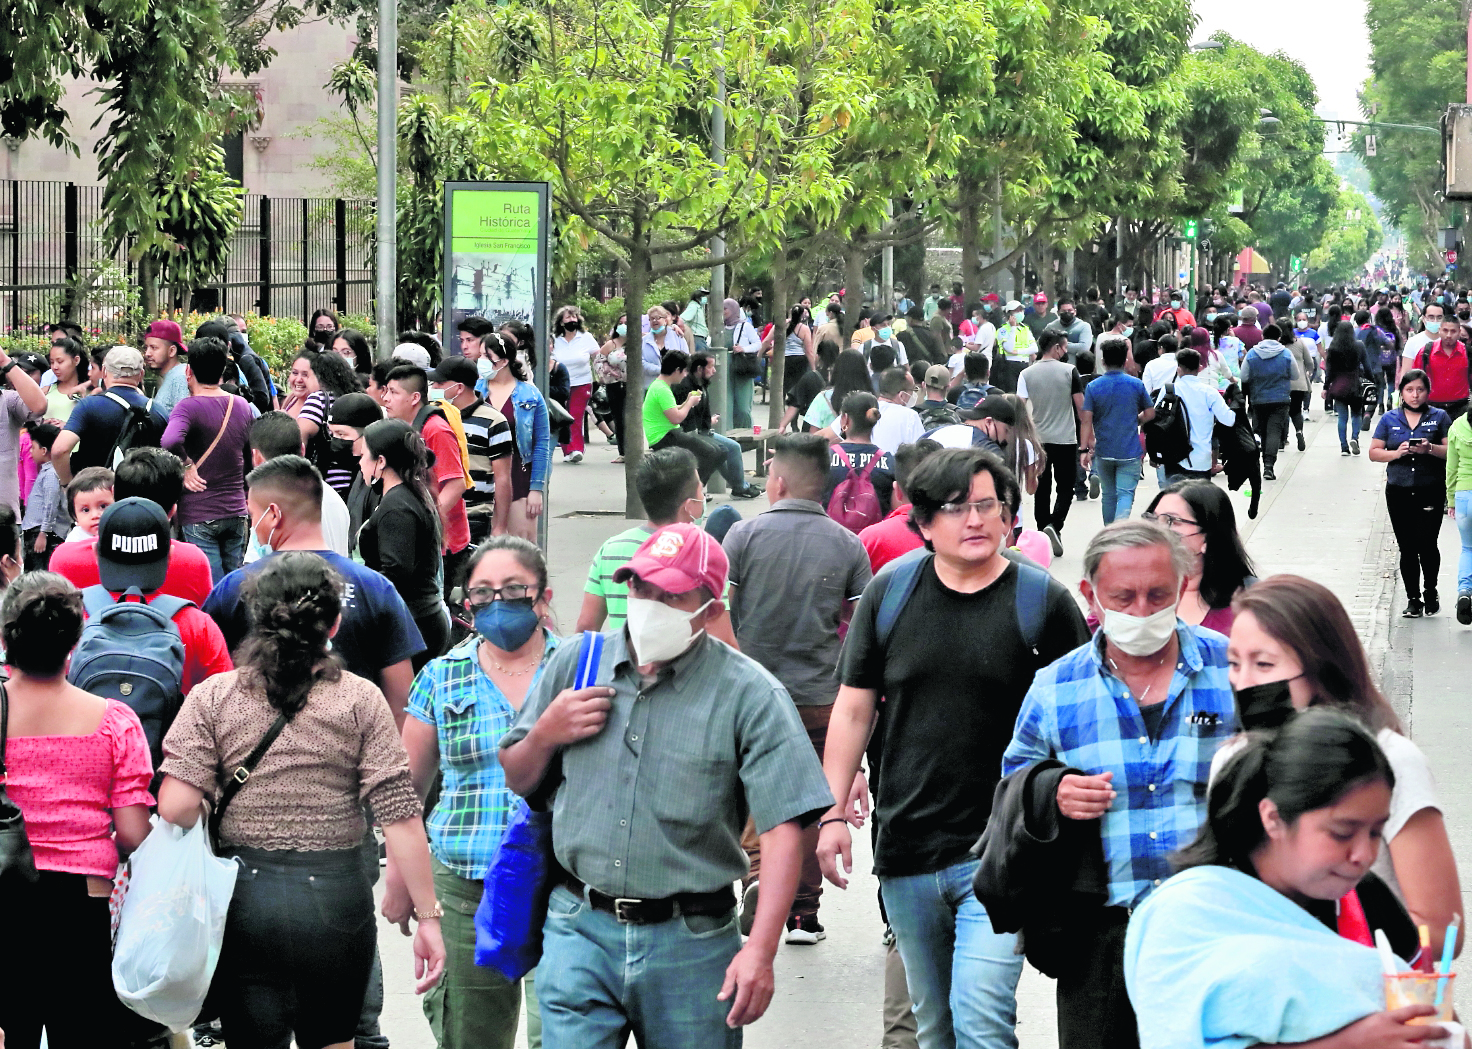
{"x":654,"y":804}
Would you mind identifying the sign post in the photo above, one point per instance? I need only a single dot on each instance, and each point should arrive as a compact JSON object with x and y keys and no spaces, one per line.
{"x":498,"y":265}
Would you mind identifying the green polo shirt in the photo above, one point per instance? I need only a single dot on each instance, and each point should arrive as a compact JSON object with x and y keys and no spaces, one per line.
{"x":658,"y":399}
{"x":612,"y":556}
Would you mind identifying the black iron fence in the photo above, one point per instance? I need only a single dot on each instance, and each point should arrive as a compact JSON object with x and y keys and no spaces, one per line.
{"x":288,"y":257}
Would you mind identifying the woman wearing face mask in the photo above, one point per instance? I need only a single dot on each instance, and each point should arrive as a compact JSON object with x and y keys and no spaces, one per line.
{"x":574,"y":348}
{"x":1202,"y":515}
{"x":402,"y":540}
{"x":321,"y":327}
{"x":333,"y":378}
{"x":459,"y":708}
{"x":352,"y":346}
{"x":611,"y":365}
{"x":1294,"y":647}
{"x":746,"y":347}
{"x":1249,"y":924}
{"x":1412,"y":441}
{"x":657,"y":341}
{"x":509,"y":392}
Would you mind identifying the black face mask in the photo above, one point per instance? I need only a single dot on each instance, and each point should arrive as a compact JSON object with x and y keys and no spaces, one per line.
{"x":341,"y":448}
{"x":1265,"y":706}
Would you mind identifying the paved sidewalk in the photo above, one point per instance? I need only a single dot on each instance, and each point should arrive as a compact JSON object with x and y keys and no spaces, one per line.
{"x":1323,"y":518}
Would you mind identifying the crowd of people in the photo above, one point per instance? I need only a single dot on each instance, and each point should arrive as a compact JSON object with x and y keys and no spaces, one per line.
{"x":1133,"y":786}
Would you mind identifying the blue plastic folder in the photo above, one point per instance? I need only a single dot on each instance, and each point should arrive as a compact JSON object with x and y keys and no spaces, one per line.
{"x":508,"y":922}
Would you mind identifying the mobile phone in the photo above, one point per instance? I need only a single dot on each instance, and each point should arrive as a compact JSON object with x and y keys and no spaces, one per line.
{"x":1416,"y":442}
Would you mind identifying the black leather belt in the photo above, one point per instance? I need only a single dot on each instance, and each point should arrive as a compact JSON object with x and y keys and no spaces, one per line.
{"x":652,"y":912}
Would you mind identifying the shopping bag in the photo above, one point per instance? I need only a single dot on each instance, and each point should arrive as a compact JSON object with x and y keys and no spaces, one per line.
{"x":172,"y":924}
{"x":508,"y":921}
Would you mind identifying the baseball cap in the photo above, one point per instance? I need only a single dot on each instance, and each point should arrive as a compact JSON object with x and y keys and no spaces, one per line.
{"x":455,"y":369}
{"x":994,"y":407}
{"x":1040,"y":299}
{"x":413,"y":353}
{"x":1012,"y":304}
{"x":677,"y":559}
{"x":937,"y":376}
{"x":355,"y":409}
{"x":133,"y":545}
{"x":168,"y":331}
{"x":31,"y":362}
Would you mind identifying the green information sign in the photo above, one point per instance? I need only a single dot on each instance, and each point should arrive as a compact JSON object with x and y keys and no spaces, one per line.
{"x":496,"y":221}
{"x":497,"y":258}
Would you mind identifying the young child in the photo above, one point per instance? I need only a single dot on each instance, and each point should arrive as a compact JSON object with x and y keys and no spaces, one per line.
{"x":87,"y":496}
{"x":45,"y":522}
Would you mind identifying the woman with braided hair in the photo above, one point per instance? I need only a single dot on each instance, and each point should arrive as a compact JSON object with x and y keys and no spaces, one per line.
{"x":299,"y":937}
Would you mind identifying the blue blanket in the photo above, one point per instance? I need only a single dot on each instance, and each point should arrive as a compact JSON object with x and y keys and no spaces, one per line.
{"x":1215,"y":958}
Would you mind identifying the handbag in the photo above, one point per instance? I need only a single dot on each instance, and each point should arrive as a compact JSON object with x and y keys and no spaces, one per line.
{"x":509,"y":919}
{"x":743,"y":365}
{"x":191,"y":472}
{"x":16,"y":858}
{"x":241,"y":774}
{"x":557,"y":415}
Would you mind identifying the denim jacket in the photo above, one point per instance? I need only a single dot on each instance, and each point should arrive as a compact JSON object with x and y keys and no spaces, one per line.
{"x":533,"y":433}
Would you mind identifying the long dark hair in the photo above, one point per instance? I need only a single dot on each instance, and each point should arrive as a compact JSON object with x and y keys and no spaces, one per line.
{"x":497,"y":347}
{"x":358,"y":343}
{"x":334,"y":375}
{"x":1309,"y":763}
{"x":849,"y":373}
{"x":795,"y":318}
{"x":1343,"y":351}
{"x":293,"y":603}
{"x":1225,"y":565}
{"x":403,"y":452}
{"x":1309,"y":619}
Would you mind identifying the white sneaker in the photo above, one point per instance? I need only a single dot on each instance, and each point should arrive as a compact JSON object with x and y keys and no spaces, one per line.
{"x":805,"y":931}
{"x":575,"y":457}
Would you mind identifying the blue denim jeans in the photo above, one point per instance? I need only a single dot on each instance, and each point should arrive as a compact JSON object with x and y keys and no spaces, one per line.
{"x":962,"y":975}
{"x":741,"y":402}
{"x":733,"y":469}
{"x":1118,"y":479}
{"x":1346,"y":413}
{"x":599,"y":980}
{"x":1464,"y":528}
{"x":223,"y":543}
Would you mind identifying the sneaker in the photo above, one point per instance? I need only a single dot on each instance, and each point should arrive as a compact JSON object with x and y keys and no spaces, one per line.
{"x":1053,"y":540}
{"x":1094,"y":488}
{"x":748,"y":908}
{"x":1344,"y":449}
{"x":805,"y":930}
{"x":888,"y":938}
{"x":749,"y":491}
{"x":1414,"y":609}
{"x":1432,"y":602}
{"x":1268,"y":475}
{"x":203,"y":1041}
{"x":575,"y":458}
{"x":1300,"y":441}
{"x":1464,"y":609}
{"x":1354,"y":446}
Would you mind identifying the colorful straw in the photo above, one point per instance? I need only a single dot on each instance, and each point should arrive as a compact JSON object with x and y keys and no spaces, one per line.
{"x":1447,"y":950}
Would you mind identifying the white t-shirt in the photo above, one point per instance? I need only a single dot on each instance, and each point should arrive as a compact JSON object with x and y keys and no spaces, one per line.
{"x":897,"y":425}
{"x":576,"y":355}
{"x":1414,"y":790}
{"x":1159,"y":372}
{"x":957,"y":364}
{"x":1416,"y":343}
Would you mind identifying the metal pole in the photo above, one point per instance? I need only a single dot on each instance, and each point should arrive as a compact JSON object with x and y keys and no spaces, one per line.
{"x":886,"y":266}
{"x":1118,"y":259}
{"x":1003,"y":276}
{"x":386,"y":308}
{"x":715,"y":306}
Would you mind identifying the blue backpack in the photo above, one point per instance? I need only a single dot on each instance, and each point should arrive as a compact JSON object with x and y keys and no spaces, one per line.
{"x":132,"y":651}
{"x":904,"y":573}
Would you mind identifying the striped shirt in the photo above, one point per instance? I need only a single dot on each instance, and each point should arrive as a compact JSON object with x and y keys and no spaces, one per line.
{"x":469,"y":714}
{"x":655,"y":803}
{"x":610,"y":557}
{"x":487,"y":438}
{"x":1081,"y":714}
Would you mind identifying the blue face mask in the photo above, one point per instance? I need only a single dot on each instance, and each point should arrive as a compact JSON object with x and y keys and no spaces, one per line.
{"x":885,"y":333}
{"x":656,"y":329}
{"x":261,"y":550}
{"x":622,"y":329}
{"x":507,"y":624}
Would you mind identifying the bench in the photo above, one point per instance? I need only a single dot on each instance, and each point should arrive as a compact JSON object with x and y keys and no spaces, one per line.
{"x":749,"y":440}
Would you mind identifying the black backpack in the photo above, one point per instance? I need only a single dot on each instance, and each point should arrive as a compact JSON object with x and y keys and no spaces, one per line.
{"x":139,"y":430}
{"x":1168,"y":435}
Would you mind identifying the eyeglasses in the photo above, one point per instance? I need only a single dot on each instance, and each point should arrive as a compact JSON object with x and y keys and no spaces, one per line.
{"x":987,"y":508}
{"x":484,"y":595}
{"x":1170,"y":521}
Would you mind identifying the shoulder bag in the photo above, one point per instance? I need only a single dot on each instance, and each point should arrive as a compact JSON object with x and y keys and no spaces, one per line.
{"x":241,"y":774}
{"x":15,"y":847}
{"x":743,"y":365}
{"x":193,"y":482}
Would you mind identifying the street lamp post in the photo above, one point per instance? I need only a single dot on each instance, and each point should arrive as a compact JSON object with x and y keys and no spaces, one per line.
{"x":388,"y":49}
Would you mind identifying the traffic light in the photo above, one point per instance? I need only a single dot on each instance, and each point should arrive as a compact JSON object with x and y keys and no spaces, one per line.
{"x":1188,"y":229}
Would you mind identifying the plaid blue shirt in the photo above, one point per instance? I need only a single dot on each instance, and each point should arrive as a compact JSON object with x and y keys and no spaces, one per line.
{"x":1078,"y":712}
{"x":470,"y":715}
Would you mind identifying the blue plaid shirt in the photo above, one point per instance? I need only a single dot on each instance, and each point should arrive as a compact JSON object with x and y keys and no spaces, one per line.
{"x":1078,"y":712}
{"x":469,"y":715}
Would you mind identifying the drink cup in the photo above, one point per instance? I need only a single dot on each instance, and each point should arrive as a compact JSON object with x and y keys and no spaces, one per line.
{"x":756,"y":429}
{"x":1418,"y":988}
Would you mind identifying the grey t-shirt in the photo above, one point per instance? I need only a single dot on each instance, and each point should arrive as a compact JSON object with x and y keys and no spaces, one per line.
{"x":1048,"y":387}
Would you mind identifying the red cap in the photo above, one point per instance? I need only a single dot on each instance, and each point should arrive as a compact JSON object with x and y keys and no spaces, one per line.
{"x":168,"y":331}
{"x":677,"y":559}
{"x":993,"y":297}
{"x":1040,"y":297}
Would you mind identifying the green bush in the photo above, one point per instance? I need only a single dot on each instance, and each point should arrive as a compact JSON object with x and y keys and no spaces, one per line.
{"x":276,"y":339}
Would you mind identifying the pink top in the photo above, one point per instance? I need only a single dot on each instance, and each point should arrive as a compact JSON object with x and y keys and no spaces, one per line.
{"x":26,"y":468}
{"x":68,"y":786}
{"x":1220,"y":620}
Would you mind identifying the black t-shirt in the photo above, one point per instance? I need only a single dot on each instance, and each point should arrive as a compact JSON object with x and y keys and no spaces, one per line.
{"x":861,"y":455}
{"x":398,"y":542}
{"x":698,"y":418}
{"x":803,"y":391}
{"x":953,"y":676}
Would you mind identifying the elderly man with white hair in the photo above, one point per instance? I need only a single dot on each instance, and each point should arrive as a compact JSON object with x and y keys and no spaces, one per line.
{"x":119,"y":413}
{"x":1137,"y":712}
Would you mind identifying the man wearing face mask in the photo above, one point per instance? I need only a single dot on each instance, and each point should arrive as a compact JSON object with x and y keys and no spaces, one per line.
{"x":655,"y":769}
{"x":1018,"y":348}
{"x":1080,"y":335}
{"x":1138,"y":711}
{"x":1177,"y":310}
{"x":487,"y":445}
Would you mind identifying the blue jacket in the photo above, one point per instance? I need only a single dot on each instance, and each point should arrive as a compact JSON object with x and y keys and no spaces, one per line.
{"x":533,"y":430}
{"x":1267,"y":371}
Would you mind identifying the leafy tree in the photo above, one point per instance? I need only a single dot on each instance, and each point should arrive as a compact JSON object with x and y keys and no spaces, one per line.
{"x":1353,"y":237}
{"x":198,"y":216}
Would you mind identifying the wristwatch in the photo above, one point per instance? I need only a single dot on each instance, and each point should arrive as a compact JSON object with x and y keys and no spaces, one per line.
{"x":436,"y":911}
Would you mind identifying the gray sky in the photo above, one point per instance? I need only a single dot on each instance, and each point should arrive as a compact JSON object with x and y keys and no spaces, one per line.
{"x":1331,"y":41}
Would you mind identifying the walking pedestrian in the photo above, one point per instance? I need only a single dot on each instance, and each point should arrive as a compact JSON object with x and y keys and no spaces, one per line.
{"x":854,"y":454}
{"x":509,"y":392}
{"x":611,"y":365}
{"x":1342,"y":385}
{"x":1412,"y":441}
{"x":1300,"y":387}
{"x":1445,"y":364}
{"x":574,"y":349}
{"x":1267,"y":378}
{"x":1115,"y":406}
{"x":746,"y":346}
{"x":1053,"y":392}
{"x":1201,"y":514}
{"x":1204,"y":408}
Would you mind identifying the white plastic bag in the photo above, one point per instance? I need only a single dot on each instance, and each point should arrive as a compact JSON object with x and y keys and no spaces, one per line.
{"x":172,"y":924}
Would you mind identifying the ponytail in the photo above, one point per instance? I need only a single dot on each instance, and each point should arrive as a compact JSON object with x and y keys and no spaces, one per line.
{"x":293,"y":604}
{"x":404,"y":452}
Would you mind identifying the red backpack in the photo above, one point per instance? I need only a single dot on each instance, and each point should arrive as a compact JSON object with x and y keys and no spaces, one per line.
{"x":854,"y":503}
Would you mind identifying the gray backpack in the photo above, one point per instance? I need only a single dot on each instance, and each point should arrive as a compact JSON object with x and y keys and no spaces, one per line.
{"x":132,"y":651}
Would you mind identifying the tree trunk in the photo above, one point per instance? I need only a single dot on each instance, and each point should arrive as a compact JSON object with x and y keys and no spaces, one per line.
{"x":968,"y":196}
{"x":147,"y":287}
{"x":854,"y":258}
{"x":776,"y":371}
{"x":634,"y":289}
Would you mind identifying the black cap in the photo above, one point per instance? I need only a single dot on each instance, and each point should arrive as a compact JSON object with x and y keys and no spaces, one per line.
{"x":355,"y":409}
{"x":133,"y":540}
{"x":31,"y":362}
{"x":456,"y":369}
{"x":994,"y":407}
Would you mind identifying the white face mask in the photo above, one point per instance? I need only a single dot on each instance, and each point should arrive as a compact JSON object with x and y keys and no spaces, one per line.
{"x":1140,"y":635}
{"x":484,"y":368}
{"x":658,"y":632}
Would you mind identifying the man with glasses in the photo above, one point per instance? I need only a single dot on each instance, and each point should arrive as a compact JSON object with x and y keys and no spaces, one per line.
{"x":1140,"y":709}
{"x":952,"y":660}
{"x":1431,"y":331}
